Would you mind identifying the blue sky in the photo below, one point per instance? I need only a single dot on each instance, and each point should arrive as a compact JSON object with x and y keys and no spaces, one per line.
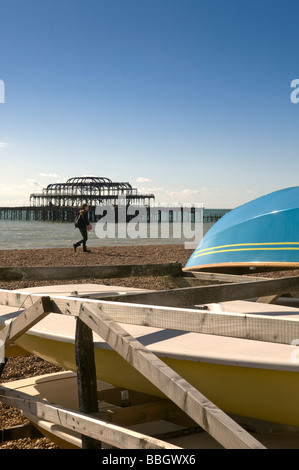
{"x":189,"y":99}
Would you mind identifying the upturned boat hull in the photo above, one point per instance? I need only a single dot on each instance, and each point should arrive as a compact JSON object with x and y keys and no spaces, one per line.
{"x":261,"y":234}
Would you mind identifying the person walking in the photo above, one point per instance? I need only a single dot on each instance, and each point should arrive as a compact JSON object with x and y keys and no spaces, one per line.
{"x":83,"y":225}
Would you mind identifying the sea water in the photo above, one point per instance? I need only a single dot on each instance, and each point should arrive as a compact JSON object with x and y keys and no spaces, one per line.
{"x":21,"y":234}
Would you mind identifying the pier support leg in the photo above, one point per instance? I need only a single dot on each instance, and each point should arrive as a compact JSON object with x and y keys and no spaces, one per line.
{"x":86,"y":377}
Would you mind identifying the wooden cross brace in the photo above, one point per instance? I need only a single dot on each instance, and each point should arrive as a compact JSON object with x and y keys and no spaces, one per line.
{"x":220,"y":426}
{"x":25,"y":320}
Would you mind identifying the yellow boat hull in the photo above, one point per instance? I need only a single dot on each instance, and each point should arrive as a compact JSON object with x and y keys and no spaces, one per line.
{"x":264,"y":394}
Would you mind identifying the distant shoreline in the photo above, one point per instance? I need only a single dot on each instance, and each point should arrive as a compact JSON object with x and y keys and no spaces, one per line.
{"x":18,"y":235}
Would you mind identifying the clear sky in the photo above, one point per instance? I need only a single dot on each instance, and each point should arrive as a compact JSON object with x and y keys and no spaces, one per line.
{"x":189,"y":99}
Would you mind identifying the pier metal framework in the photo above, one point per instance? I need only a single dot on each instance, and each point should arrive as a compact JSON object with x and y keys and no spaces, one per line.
{"x":91,"y":190}
{"x":60,"y":202}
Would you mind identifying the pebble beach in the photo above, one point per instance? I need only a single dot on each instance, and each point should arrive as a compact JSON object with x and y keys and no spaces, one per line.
{"x":28,"y":366}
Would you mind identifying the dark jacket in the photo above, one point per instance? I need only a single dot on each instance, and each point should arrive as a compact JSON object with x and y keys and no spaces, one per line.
{"x":83,"y":220}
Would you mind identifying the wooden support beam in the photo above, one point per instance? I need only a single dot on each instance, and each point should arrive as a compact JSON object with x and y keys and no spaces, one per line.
{"x":219,"y":277}
{"x":25,"y":320}
{"x":111,"y":434}
{"x":255,"y":327}
{"x":268,"y":299}
{"x":226,"y":431}
{"x":86,"y":377}
{"x":19,"y":432}
{"x":236,"y":325}
{"x":161,"y":409}
{"x":50,"y":273}
{"x":189,"y":296}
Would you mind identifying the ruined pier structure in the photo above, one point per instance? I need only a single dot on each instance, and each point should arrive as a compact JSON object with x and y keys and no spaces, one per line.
{"x":60,"y":202}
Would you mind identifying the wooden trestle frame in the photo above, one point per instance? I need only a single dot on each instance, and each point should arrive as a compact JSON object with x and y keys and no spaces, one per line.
{"x":102,"y":317}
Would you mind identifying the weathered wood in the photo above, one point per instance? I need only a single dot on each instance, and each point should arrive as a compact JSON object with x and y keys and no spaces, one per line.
{"x":219,"y":277}
{"x":255,"y":327}
{"x":268,"y":299}
{"x":141,"y":413}
{"x":188,"y":296}
{"x":19,"y":432}
{"x":51,"y":273}
{"x":226,"y":431}
{"x":236,"y":325}
{"x":86,"y":377}
{"x":111,"y":434}
{"x":29,"y":317}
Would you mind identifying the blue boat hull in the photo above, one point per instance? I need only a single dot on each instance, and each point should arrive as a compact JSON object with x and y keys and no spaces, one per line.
{"x":263,"y":234}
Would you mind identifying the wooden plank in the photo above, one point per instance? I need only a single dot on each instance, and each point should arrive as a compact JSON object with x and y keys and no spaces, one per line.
{"x":219,"y":277}
{"x":189,"y":296}
{"x":268,"y":299}
{"x":29,"y":317}
{"x":19,"y":432}
{"x":111,"y":434}
{"x":86,"y":377}
{"x":255,"y":327}
{"x":234,"y":325}
{"x":17,"y":299}
{"x":50,"y":273}
{"x":191,"y":401}
{"x":141,"y":413}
